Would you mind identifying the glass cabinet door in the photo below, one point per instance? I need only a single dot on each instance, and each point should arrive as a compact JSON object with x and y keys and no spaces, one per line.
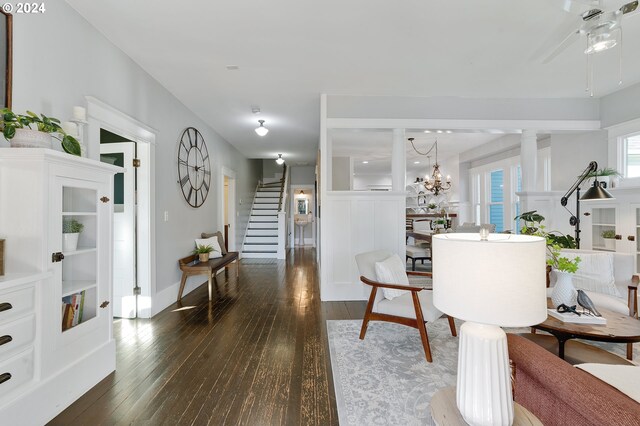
{"x":603,"y":227}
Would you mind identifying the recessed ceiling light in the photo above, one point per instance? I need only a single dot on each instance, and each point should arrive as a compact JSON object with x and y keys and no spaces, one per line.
{"x":233,"y":67}
{"x":427,"y":131}
{"x":416,"y":162}
{"x":365,"y":162}
{"x":449,"y":131}
{"x":439,"y":131}
{"x":255,"y":109}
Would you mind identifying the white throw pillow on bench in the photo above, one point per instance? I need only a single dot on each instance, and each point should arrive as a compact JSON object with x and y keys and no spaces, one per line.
{"x":392,"y":271}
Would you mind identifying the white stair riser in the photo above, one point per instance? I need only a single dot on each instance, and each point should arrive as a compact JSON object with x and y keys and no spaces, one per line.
{"x":273,"y":206}
{"x":265,"y":219}
{"x":261,"y":232}
{"x":268,"y":194}
{"x":264,"y":225}
{"x":258,"y":239}
{"x":260,"y":248}
{"x":260,"y":255}
{"x":257,"y":212}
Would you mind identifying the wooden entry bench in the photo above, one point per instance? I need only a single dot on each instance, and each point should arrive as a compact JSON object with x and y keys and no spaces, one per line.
{"x":191,"y":266}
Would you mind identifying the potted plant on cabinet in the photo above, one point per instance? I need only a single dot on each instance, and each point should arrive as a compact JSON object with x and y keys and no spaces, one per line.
{"x":17,"y":129}
{"x":609,"y":237}
{"x":71,"y":230}
{"x":564,"y":292}
{"x":203,"y":252}
{"x":606,"y":176}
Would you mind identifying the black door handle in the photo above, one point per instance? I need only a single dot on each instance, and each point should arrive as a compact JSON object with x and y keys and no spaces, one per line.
{"x":5,"y":306}
{"x":5,"y":339}
{"x":4,"y":377}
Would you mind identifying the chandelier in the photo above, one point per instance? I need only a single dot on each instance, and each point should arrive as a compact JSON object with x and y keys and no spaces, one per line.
{"x":434,"y":182}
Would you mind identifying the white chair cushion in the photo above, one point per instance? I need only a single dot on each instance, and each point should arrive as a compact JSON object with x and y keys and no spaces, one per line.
{"x":604,"y":301}
{"x":392,"y":271}
{"x":402,"y":306}
{"x":367,"y":267}
{"x":213,"y":242}
{"x":595,"y":273}
{"x":417,"y":251}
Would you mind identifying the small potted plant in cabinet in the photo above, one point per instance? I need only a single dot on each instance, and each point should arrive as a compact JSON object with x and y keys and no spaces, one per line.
{"x":203,"y":252}
{"x":609,"y":238}
{"x":71,"y":230}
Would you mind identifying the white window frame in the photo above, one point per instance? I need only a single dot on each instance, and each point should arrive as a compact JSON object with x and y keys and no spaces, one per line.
{"x":481,"y":179}
{"x":617,"y":149}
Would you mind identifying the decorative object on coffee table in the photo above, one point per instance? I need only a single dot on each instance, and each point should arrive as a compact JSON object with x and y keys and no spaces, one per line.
{"x":489,"y":284}
{"x":620,"y":328}
{"x":587,"y":304}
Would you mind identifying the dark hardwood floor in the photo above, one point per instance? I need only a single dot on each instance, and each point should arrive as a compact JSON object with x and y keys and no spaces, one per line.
{"x":256,"y":355}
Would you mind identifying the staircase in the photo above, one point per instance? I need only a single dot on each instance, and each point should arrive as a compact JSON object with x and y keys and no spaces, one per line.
{"x":261,"y":239}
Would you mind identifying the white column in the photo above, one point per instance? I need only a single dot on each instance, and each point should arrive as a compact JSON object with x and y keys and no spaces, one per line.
{"x":398,"y":161}
{"x":529,"y":160}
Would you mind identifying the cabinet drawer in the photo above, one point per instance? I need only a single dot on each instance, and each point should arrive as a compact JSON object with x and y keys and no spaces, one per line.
{"x":16,"y":303}
{"x":16,"y":372}
{"x":16,"y":335}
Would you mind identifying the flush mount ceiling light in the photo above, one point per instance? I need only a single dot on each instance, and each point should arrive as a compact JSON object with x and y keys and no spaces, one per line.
{"x":279,"y":160}
{"x":365,"y":162}
{"x":427,"y":131}
{"x":261,"y":130}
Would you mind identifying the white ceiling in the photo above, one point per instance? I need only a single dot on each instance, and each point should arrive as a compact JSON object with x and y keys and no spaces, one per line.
{"x":291,"y":51}
{"x":375,"y":148}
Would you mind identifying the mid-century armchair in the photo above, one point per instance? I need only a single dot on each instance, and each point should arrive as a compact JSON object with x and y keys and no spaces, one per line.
{"x":413,"y":309}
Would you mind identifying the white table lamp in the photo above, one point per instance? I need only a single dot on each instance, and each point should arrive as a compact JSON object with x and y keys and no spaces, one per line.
{"x":489,"y":284}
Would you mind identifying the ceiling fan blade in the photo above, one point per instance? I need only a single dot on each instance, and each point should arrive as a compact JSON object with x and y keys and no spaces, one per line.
{"x":571,"y":38}
{"x":629,"y":7}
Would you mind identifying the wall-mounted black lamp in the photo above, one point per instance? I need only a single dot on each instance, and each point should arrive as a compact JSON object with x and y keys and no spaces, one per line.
{"x":596,"y":192}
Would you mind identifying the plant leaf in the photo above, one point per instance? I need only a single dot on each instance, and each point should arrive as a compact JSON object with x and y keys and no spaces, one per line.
{"x":71,"y":145}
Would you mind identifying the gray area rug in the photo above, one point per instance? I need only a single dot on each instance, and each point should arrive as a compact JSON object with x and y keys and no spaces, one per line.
{"x":385,"y":379}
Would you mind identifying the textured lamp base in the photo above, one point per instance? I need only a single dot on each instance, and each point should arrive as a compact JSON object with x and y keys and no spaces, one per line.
{"x":483,"y":394}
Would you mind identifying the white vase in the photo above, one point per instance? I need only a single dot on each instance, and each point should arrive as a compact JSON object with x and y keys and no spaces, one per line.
{"x":70,"y":242}
{"x":27,"y":138}
{"x":564,"y":292}
{"x":609,"y":243}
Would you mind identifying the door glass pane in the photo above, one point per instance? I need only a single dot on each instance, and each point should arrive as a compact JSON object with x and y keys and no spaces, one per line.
{"x":497,"y":179}
{"x":496,"y":215}
{"x":633,"y":156}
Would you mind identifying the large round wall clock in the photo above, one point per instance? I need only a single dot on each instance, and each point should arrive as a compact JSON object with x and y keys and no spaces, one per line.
{"x":194,"y":169}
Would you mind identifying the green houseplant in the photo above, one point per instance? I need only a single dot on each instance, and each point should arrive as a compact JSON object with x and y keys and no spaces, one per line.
{"x":203,"y":252}
{"x":564,"y":292}
{"x":606,"y":176}
{"x":71,"y":230}
{"x":18,"y":130}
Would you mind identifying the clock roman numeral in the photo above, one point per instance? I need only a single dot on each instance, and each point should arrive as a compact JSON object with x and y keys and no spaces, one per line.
{"x":190,"y":193}
{"x":206,"y":185}
{"x":184,"y":180}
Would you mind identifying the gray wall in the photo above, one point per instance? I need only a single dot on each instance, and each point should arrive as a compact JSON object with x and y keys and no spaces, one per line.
{"x":621,"y":106}
{"x":271,"y":169}
{"x":303,"y":175}
{"x":571,"y":154}
{"x":59,"y":58}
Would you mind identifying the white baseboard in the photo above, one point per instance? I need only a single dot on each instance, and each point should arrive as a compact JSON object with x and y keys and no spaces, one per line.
{"x":44,"y":400}
{"x":169,"y":295}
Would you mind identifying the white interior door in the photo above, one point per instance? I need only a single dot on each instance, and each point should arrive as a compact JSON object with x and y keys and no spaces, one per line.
{"x":124,"y":227}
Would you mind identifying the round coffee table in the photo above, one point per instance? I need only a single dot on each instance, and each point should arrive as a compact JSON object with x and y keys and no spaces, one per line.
{"x":619,"y":329}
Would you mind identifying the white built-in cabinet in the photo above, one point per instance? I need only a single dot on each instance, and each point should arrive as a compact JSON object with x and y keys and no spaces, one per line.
{"x":52,"y":364}
{"x":620,"y":215}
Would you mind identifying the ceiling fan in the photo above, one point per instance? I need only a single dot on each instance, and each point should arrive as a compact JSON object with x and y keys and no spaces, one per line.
{"x":602,"y":28}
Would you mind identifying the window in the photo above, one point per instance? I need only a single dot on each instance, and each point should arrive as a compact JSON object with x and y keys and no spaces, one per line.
{"x":496,"y":199}
{"x":517,"y":171}
{"x":631,"y":155}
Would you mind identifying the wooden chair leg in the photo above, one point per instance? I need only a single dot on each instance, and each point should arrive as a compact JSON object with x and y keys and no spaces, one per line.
{"x":630,"y":351}
{"x":421,"y":326}
{"x":238,"y":268}
{"x":365,"y":320}
{"x":183,"y":281}
{"x":452,"y":326}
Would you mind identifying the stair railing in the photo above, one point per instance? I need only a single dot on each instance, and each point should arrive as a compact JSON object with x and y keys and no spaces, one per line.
{"x":282,"y":214}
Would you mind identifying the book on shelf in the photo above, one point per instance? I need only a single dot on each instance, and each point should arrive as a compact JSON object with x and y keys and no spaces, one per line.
{"x":577,"y":319}
{"x":72,"y":309}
